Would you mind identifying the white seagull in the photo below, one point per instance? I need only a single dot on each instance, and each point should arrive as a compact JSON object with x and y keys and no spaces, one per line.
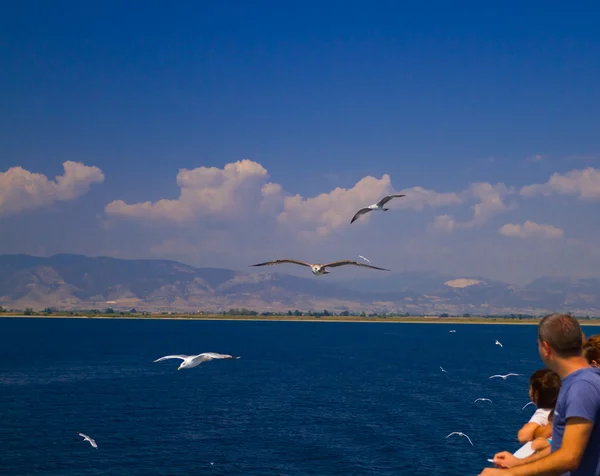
{"x":483,"y":400}
{"x":362,"y":257}
{"x":452,"y":330}
{"x":526,"y":405}
{"x":460,"y":433}
{"x":319,"y":269}
{"x":443,"y":369}
{"x":190,"y":361}
{"x":498,"y":343}
{"x":503,"y":376}
{"x":376,"y":206}
{"x":87,"y":438}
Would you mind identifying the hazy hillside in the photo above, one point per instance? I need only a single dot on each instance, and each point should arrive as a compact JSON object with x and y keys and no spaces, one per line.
{"x":80,"y":282}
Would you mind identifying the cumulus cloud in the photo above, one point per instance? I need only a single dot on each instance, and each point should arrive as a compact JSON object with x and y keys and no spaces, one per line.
{"x":530,"y":229}
{"x":584,"y":183}
{"x":21,"y":190}
{"x":204,"y":191}
{"x":490,"y":201}
{"x":329,"y":211}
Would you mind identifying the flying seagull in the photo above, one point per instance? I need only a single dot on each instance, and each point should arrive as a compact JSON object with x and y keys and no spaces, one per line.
{"x":526,"y":405}
{"x":460,"y":433}
{"x":319,"y":269}
{"x":498,"y":343}
{"x":376,"y":206}
{"x":87,"y":438}
{"x":452,"y":330}
{"x":503,"y":376}
{"x":443,"y":369}
{"x":362,"y":257}
{"x":190,"y":361}
{"x":483,"y":400}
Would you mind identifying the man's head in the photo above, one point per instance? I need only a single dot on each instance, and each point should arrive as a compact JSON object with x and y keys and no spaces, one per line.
{"x":559,"y":338}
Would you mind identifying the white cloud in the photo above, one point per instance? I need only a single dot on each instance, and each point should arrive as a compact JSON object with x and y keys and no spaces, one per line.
{"x":329,"y":211}
{"x":530,"y":229}
{"x":490,"y":202}
{"x":584,"y":183}
{"x":204,"y":191}
{"x":21,"y":190}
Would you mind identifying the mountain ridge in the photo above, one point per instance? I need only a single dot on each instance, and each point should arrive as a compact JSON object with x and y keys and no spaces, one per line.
{"x":68,"y":281}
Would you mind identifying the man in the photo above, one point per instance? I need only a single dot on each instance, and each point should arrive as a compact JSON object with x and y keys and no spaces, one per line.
{"x":575,"y":449}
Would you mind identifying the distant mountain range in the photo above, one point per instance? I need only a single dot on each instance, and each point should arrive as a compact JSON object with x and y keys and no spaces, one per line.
{"x":80,"y":282}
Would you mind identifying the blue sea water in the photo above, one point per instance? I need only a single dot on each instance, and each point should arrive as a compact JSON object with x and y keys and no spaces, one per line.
{"x":304,"y":399}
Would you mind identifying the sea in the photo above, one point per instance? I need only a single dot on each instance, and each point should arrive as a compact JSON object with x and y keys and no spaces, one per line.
{"x":305,"y":398}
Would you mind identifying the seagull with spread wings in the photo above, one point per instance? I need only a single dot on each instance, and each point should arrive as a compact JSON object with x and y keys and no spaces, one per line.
{"x":320,"y":269}
{"x":190,"y":361}
{"x":376,"y":206}
{"x":87,"y":438}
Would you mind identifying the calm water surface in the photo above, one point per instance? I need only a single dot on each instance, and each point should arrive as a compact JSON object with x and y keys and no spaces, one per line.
{"x":305,"y":398}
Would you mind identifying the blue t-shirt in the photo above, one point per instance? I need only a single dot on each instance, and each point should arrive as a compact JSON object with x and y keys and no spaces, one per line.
{"x":579,"y":396}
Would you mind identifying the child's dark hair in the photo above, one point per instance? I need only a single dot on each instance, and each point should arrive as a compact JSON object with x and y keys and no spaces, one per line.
{"x":545,"y":385}
{"x":592,"y":353}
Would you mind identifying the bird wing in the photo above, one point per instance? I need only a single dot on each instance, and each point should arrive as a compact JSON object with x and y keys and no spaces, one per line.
{"x":367,"y":260}
{"x":493,"y":376}
{"x":214,"y":355}
{"x":182,"y":357}
{"x":335,"y":264}
{"x":453,"y":433}
{"x":93,"y":442}
{"x":282,"y":261}
{"x":467,"y":439}
{"x":508,"y":375}
{"x":362,"y":211}
{"x":387,"y":198}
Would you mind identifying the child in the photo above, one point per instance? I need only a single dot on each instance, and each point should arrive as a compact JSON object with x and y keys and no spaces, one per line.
{"x":591,"y":351}
{"x":544,"y":385}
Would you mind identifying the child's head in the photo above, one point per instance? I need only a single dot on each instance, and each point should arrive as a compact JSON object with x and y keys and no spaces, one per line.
{"x":592,"y":354}
{"x":544,"y":385}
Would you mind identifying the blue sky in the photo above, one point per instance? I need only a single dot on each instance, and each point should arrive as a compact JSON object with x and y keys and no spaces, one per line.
{"x":438,"y":95}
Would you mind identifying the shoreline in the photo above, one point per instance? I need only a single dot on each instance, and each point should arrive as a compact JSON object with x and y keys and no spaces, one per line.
{"x":388,"y":320}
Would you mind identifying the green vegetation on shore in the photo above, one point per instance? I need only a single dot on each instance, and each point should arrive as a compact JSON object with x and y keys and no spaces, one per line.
{"x":244,"y":314}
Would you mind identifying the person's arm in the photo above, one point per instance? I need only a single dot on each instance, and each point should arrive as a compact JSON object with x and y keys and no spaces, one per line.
{"x":566,"y":458}
{"x":508,"y":460}
{"x":527,"y":432}
{"x":544,"y":431}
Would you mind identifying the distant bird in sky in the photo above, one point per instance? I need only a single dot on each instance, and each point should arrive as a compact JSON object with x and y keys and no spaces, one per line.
{"x":460,"y":433}
{"x":443,"y":369}
{"x":526,"y":405}
{"x":87,"y":438}
{"x":190,"y":361}
{"x":503,"y":376}
{"x":482,"y":400}
{"x":368,"y":261}
{"x":376,"y":206}
{"x":498,"y":343}
{"x":320,"y":269}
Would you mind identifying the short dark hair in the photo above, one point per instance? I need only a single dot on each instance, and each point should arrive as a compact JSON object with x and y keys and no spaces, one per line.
{"x":545,"y":385}
{"x":592,"y":353}
{"x":562,"y":333}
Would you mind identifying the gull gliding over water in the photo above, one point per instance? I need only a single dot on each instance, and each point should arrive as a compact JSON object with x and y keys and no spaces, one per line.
{"x":376,"y":206}
{"x":483,"y":400}
{"x":319,"y":269}
{"x":190,"y":361}
{"x":526,"y":405}
{"x":503,"y":376}
{"x":443,"y":369}
{"x":87,"y":438}
{"x":362,"y":257}
{"x":498,"y":343}
{"x":460,"y":433}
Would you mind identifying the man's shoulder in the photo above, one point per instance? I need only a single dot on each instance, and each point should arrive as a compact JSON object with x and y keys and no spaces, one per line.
{"x":587,"y":375}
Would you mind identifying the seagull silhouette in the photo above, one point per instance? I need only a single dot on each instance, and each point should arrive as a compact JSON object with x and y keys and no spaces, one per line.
{"x":483,"y":400}
{"x":379,"y":206}
{"x":498,"y":343}
{"x":527,"y":404}
{"x":87,"y":438}
{"x":460,"y":433}
{"x":443,"y":369}
{"x":503,"y":376}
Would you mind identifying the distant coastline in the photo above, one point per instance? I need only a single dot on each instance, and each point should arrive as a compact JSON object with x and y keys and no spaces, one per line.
{"x":279,"y":318}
